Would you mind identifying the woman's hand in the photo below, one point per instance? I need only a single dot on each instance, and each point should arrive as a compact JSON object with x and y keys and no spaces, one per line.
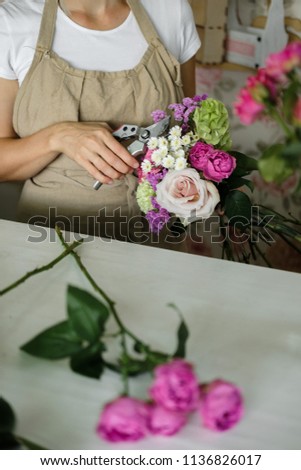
{"x":93,"y":147}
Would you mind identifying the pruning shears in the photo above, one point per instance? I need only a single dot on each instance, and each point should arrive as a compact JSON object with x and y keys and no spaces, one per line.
{"x":141,"y":135}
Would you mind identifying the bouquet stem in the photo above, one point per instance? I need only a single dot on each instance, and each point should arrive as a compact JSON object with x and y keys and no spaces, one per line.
{"x":69,"y":249}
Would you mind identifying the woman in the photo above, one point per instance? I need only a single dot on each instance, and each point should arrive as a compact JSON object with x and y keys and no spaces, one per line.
{"x":72,"y":71}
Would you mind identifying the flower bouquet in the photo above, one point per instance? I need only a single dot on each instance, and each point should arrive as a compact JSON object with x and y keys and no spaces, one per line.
{"x":192,"y":171}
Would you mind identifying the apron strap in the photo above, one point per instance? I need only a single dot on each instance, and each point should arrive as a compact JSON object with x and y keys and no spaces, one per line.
{"x":143,"y":20}
{"x":47,"y":27}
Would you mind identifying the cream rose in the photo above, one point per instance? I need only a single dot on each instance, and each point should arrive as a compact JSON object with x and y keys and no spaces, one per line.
{"x":185,"y":194}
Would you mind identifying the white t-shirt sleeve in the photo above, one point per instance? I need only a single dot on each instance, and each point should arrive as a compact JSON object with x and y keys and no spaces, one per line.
{"x":6,"y":70}
{"x":190,"y":41}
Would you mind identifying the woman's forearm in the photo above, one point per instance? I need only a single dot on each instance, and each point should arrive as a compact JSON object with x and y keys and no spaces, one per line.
{"x":90,"y":144}
{"x":22,"y":158}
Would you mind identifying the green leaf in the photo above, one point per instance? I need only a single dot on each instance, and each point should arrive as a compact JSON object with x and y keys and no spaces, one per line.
{"x":285,"y":229}
{"x":56,"y":342}
{"x":274,"y":167}
{"x":244,"y":164}
{"x":182,"y":335}
{"x":290,"y":97}
{"x":9,"y":442}
{"x":238,"y":182}
{"x":7,"y":417}
{"x":238,"y":208}
{"x":298,"y":133}
{"x":156,"y":358}
{"x":87,"y":314}
{"x":140,"y":347}
{"x":292,"y":150}
{"x":134,"y":367}
{"x":30,"y":445}
{"x":88,"y":362}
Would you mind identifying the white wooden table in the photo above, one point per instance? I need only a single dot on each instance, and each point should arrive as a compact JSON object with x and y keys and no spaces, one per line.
{"x":245,"y":325}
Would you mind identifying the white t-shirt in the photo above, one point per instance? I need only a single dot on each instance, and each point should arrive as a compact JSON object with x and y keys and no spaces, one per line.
{"x":107,"y":51}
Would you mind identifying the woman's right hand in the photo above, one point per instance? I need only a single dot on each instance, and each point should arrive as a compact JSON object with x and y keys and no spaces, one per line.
{"x":93,"y":147}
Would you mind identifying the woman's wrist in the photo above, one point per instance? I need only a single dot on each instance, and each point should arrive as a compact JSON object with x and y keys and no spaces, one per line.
{"x":55,"y":133}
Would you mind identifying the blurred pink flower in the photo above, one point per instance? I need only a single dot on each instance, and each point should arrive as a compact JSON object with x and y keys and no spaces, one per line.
{"x":221,"y":405}
{"x":278,"y":65}
{"x":165,"y":422}
{"x":247,"y":108}
{"x":175,"y":386}
{"x":123,"y":419}
{"x":262,"y":86}
{"x":215,"y":164}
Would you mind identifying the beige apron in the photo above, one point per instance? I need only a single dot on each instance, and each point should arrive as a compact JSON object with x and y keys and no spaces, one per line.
{"x":53,"y":92}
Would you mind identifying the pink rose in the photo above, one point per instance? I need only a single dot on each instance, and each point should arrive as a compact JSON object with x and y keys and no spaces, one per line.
{"x":175,"y":386}
{"x":123,"y":419}
{"x":184,"y":193}
{"x":283,"y":62}
{"x":262,"y":86}
{"x":221,"y":405}
{"x":199,"y":154}
{"x":164,"y":422}
{"x":215,"y":164}
{"x":247,"y":108}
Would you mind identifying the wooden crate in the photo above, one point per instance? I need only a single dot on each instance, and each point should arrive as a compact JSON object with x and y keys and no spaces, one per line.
{"x":210,"y":13}
{"x":212,"y":50}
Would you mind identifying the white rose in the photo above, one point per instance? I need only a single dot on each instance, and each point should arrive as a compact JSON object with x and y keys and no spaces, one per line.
{"x":185,"y":194}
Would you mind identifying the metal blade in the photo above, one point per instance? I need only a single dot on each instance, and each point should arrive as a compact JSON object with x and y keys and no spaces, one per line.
{"x":155,"y":130}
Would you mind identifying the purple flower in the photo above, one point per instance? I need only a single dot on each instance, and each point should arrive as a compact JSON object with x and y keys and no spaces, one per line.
{"x":221,"y":405}
{"x":175,"y":386}
{"x":155,"y":204}
{"x":185,"y":128}
{"x":188,"y":112}
{"x":178,"y":110}
{"x":158,"y":115}
{"x":124,"y":419}
{"x":198,"y":98}
{"x":155,"y":177}
{"x":158,"y":218}
{"x":215,"y":164}
{"x":187,"y":102}
{"x":164,"y":422}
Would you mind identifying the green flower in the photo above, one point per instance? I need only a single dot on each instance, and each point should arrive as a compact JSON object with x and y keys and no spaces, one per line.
{"x":144,"y":194}
{"x":211,"y":121}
